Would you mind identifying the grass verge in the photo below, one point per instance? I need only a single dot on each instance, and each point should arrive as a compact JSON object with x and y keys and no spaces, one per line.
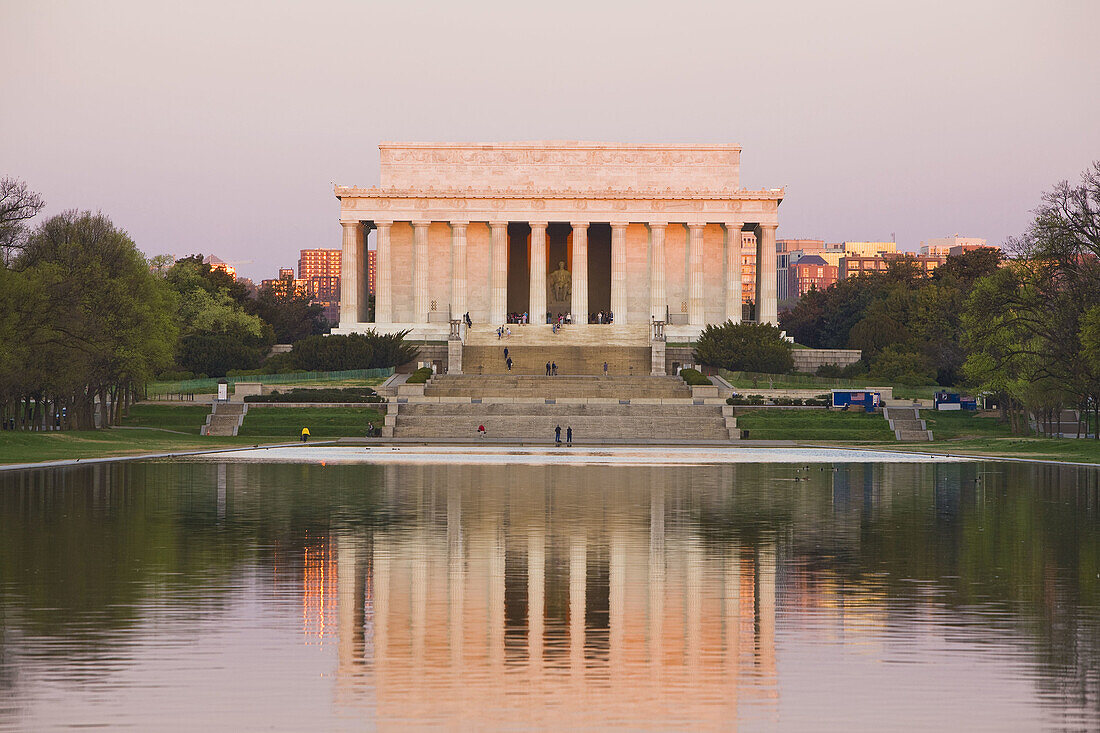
{"x":774,"y":424}
{"x":28,"y":447}
{"x":286,"y":423}
{"x":1045,"y":449}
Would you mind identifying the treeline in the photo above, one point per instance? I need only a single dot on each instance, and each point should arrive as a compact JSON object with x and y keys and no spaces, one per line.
{"x":86,"y":321}
{"x":908,"y":324}
{"x":1032,"y":330}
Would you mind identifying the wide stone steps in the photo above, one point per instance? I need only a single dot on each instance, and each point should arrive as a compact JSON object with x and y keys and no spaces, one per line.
{"x":542,"y":334}
{"x":501,"y":409}
{"x":531,"y":360}
{"x":614,"y":387}
{"x":907,"y":423}
{"x":225,"y":418}
{"x":585,"y":429}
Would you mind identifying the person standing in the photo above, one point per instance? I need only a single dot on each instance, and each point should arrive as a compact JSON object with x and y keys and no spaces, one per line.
{"x":605,"y":368}
{"x":481,"y":431}
{"x":506,"y":353}
{"x":569,"y":435}
{"x":548,"y":374}
{"x":553,"y":369}
{"x":305,"y":434}
{"x":557,"y":435}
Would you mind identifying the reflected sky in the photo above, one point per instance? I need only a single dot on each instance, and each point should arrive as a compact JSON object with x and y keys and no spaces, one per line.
{"x":744,"y":596}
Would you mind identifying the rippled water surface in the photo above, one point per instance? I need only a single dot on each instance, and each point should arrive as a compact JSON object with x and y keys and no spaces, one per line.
{"x":959,"y":596}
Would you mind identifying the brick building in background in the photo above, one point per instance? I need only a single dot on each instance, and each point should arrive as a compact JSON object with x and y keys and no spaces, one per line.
{"x":809,"y":272}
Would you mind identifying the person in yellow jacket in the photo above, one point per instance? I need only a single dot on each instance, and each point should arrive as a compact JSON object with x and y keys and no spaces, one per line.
{"x":305,"y":434}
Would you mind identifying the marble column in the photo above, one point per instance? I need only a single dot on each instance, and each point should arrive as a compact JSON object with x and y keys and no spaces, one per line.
{"x":383,"y":284}
{"x":695,"y":274}
{"x":458,"y":269}
{"x":618,"y":271}
{"x":537,"y":303}
{"x":579,"y":267}
{"x":733,"y":271}
{"x":353,"y":259}
{"x":498,"y":277}
{"x":657,"y":300}
{"x":420,"y":271}
{"x":767,"y":302}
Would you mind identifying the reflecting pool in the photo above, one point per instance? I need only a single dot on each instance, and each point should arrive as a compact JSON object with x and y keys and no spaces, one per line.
{"x":961,"y":596}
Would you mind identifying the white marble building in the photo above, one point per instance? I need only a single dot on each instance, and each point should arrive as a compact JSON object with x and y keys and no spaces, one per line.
{"x":647,"y":232}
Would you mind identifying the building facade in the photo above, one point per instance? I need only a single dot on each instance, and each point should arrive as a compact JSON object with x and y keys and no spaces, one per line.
{"x":644,"y":232}
{"x":810,"y":272}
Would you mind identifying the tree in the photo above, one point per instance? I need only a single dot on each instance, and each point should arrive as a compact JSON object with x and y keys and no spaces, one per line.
{"x":100,"y":328}
{"x":18,"y":205}
{"x":370,"y":350}
{"x":294,"y":316}
{"x":752,"y":347}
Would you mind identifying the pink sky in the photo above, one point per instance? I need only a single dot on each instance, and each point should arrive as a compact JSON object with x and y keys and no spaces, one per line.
{"x":220,"y":126}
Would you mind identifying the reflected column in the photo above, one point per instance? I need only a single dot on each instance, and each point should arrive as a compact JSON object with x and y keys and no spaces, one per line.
{"x":381,"y":563}
{"x":496,"y":595}
{"x":578,"y":579}
{"x":456,"y":576}
{"x":616,"y":571}
{"x":656,"y":576}
{"x":536,"y":595}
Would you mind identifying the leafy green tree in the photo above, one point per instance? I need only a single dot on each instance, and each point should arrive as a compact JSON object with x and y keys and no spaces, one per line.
{"x":368,"y":350}
{"x":746,"y":346}
{"x":293,"y":316}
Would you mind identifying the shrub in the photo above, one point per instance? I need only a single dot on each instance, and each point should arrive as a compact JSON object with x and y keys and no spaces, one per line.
{"x":788,"y":401}
{"x":368,"y":350}
{"x":176,"y":376}
{"x":753,"y":399}
{"x":695,"y":378}
{"x":830,"y":371}
{"x":750,"y":347}
{"x":329,"y":394}
{"x":420,"y":376}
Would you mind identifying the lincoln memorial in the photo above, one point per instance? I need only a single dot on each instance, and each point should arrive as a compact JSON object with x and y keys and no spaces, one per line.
{"x":646,"y":236}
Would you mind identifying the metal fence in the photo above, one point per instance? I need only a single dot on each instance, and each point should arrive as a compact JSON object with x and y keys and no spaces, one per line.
{"x":211,"y":384}
{"x":805,"y":381}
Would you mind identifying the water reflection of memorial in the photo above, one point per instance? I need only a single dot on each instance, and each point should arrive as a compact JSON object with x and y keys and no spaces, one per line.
{"x":493,"y":594}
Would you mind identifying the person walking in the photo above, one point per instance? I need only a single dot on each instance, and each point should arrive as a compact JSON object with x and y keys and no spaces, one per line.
{"x":605,"y":368}
{"x":305,"y":434}
{"x":557,"y":435}
{"x":548,"y":369}
{"x":553,"y":369}
{"x":569,"y":435}
{"x":506,"y":353}
{"x":509,"y":362}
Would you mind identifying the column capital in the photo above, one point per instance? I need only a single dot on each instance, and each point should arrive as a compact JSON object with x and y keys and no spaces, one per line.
{"x":458,"y":224}
{"x":383,"y":223}
{"x":538,"y":224}
{"x":620,"y":224}
{"x":658,"y":224}
{"x":695,"y":226}
{"x":350,"y":224}
{"x":497,"y":223}
{"x":772,"y":227}
{"x":419,"y":223}
{"x":734,"y":225}
{"x":579,"y":224}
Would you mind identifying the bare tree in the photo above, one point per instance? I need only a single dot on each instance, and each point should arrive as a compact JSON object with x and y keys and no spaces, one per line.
{"x":18,"y":205}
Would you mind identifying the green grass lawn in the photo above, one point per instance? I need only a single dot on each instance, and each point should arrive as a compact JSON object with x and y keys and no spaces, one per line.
{"x":964,"y":424}
{"x":184,"y":418}
{"x":815,"y":425}
{"x":28,"y":447}
{"x":1049,"y":449}
{"x":323,"y":422}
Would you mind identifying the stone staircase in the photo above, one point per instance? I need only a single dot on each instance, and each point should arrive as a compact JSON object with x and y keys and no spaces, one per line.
{"x":907,"y":423}
{"x":561,"y":387}
{"x":528,"y":408}
{"x":225,"y":418}
{"x":577,"y":349}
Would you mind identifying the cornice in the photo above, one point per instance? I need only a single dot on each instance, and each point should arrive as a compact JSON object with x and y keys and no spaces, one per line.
{"x":377,"y":192}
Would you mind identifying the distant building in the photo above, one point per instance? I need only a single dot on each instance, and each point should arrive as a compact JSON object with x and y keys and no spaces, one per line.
{"x":805,"y":245}
{"x":372,"y":270}
{"x":869,"y":249}
{"x":810,"y":272}
{"x":942,"y":247}
{"x":318,"y":263}
{"x":217,"y":263}
{"x":852,"y":266}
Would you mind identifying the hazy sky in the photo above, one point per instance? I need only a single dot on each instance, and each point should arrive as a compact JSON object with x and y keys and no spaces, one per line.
{"x":220,"y":126}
